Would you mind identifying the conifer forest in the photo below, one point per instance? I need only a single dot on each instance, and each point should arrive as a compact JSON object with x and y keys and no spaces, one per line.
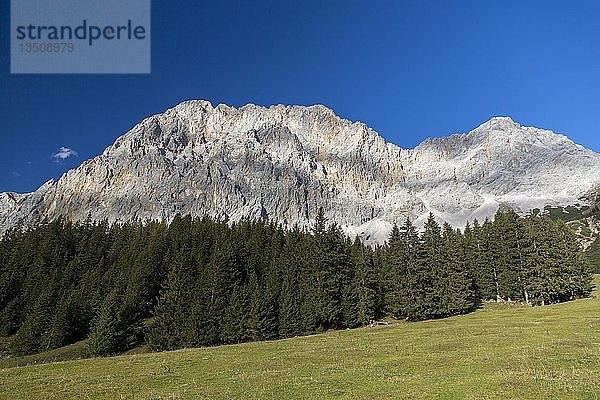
{"x":201,"y":282}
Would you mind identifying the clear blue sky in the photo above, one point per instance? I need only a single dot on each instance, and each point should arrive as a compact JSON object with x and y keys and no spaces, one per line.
{"x":409,"y":69}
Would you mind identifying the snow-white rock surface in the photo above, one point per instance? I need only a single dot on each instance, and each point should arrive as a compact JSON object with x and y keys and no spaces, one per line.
{"x":284,"y":162}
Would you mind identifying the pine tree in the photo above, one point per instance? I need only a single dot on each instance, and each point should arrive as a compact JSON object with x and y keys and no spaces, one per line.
{"x":429,"y":274}
{"x":171,"y":328}
{"x":320,"y":226}
{"x":234,"y":324}
{"x":579,"y":281}
{"x":555,"y":268}
{"x":106,"y":334}
{"x":66,"y":324}
{"x":395,"y":273}
{"x":364,"y":285}
{"x":290,"y":300}
{"x":506,"y":251}
{"x":333,"y":268}
{"x":289,"y":310}
{"x":457,"y":292}
{"x":31,"y":335}
{"x":215,"y":289}
{"x":478,"y":260}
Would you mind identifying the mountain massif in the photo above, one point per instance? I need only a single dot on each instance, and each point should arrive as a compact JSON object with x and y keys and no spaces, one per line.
{"x":285,"y":162}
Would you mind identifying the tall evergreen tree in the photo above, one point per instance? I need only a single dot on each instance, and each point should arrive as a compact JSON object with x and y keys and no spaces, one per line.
{"x":478,"y":261}
{"x":364,"y":286}
{"x":290,"y":299}
{"x":106,"y":335}
{"x":506,"y":237}
{"x":395,"y":273}
{"x":454,"y":283}
{"x":429,"y":274}
{"x":172,"y":328}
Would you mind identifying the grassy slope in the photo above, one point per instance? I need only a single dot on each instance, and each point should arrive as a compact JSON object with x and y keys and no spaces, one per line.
{"x":497,"y":352}
{"x":71,"y":352}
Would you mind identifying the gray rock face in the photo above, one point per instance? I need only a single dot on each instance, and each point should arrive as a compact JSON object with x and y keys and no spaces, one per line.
{"x":284,"y":162}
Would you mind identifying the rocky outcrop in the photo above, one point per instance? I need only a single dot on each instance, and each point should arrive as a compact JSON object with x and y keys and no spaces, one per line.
{"x":284,"y":162}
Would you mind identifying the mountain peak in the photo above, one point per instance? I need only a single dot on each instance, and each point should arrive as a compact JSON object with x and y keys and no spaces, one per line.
{"x":285,"y":162}
{"x":502,"y":119}
{"x":499,"y":123}
{"x":205,"y":105}
{"x":194,"y":104}
{"x":506,"y":129}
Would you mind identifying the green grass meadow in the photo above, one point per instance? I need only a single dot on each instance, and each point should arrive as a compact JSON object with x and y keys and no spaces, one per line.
{"x":498,"y":352}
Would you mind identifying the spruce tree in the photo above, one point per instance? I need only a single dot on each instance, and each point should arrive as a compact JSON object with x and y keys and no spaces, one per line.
{"x":506,"y":251}
{"x":576,"y":265}
{"x":172,"y":328}
{"x":234,"y":324}
{"x":478,"y":260}
{"x":430,"y":274}
{"x":106,"y":335}
{"x":395,"y":273}
{"x":215,"y":289}
{"x":364,"y":285}
{"x":457,"y":292}
{"x":290,"y":299}
{"x":30,"y":337}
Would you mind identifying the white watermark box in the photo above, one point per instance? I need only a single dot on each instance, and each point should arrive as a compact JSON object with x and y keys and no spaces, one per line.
{"x":80,"y":36}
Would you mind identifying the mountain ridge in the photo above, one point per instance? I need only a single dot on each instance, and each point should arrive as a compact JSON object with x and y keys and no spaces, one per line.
{"x":284,"y":162}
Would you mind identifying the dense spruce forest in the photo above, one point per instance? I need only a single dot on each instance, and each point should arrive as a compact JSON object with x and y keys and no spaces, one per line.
{"x":200,"y":282}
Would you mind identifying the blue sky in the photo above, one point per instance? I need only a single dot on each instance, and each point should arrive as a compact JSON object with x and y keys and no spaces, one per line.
{"x":409,"y":69}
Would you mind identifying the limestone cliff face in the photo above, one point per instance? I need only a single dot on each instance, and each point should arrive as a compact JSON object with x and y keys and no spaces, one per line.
{"x":284,"y":162}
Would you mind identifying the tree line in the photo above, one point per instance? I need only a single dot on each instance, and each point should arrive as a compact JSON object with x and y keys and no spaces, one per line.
{"x":200,"y":282}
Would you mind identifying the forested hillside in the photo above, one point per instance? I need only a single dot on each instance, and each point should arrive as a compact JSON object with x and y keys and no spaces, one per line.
{"x":584,"y":220}
{"x":200,"y":282}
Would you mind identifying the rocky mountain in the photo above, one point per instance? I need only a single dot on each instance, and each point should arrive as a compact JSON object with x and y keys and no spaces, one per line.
{"x":284,"y":162}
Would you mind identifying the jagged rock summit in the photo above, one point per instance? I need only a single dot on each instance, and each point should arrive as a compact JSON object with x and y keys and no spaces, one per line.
{"x":284,"y":162}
